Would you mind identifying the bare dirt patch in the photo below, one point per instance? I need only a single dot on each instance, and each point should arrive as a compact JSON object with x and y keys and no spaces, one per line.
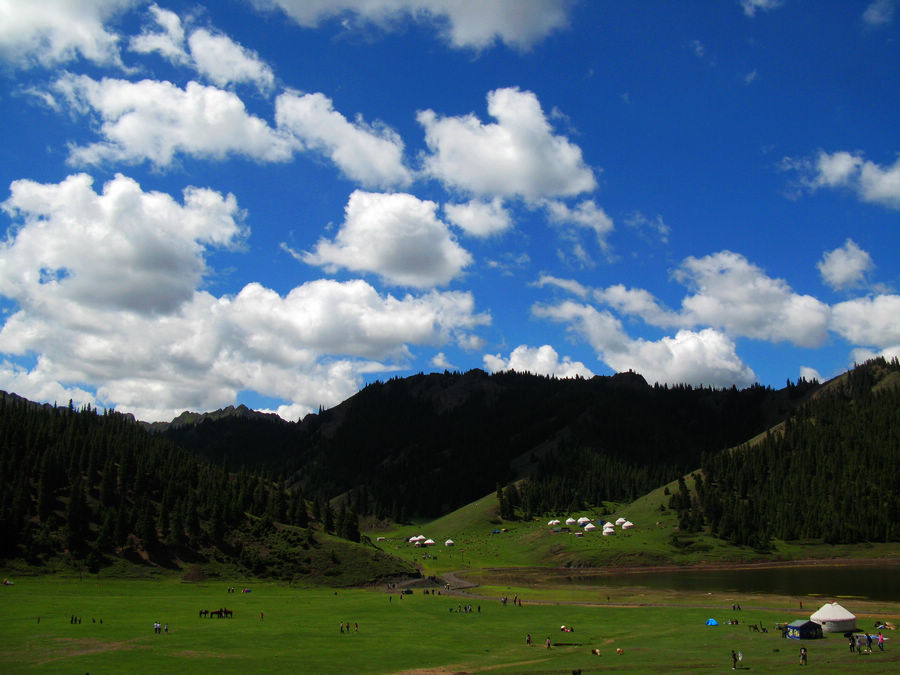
{"x":68,"y":647}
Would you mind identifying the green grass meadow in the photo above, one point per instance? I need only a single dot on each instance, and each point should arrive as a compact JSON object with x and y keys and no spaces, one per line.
{"x":657,"y":631}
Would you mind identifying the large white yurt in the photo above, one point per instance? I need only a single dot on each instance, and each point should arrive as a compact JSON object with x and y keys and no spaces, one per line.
{"x":619,"y":521}
{"x":583,"y":520}
{"x":570,"y":521}
{"x":834,"y":618}
{"x":590,"y":527}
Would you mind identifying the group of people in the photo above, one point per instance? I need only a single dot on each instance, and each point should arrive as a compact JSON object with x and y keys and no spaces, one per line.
{"x":856,"y":643}
{"x":345,"y":627}
{"x":160,"y":628}
{"x":465,"y":609}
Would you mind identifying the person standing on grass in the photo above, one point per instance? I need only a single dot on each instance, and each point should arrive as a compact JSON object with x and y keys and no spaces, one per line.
{"x":802,"y":656}
{"x":880,"y":639}
{"x":548,"y":642}
{"x":733,"y":660}
{"x":528,"y":639}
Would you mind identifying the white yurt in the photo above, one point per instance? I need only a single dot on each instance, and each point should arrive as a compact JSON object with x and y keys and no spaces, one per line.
{"x":380,"y":539}
{"x":583,"y":520}
{"x":570,"y":521}
{"x":834,"y":619}
{"x":619,"y":521}
{"x":608,"y":531}
{"x":449,"y":542}
{"x":627,"y":525}
{"x":429,"y":542}
{"x":590,"y":527}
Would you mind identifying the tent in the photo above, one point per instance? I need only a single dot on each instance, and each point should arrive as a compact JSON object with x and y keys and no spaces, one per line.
{"x":429,"y":542}
{"x":583,"y":520}
{"x":619,"y":521}
{"x":712,"y":622}
{"x":380,"y":539}
{"x":834,"y":619}
{"x":627,"y":525}
{"x":804,"y":629}
{"x":570,"y":521}
{"x":449,"y":542}
{"x":590,"y":527}
{"x":607,"y":532}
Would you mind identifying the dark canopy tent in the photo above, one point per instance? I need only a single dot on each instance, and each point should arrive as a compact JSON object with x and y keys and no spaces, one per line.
{"x":804,"y":629}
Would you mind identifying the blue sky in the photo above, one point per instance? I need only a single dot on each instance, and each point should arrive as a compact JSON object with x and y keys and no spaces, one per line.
{"x":273,"y":202}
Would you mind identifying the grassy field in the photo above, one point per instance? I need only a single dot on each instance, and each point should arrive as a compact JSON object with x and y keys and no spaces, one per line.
{"x":533,"y":544}
{"x":299,"y":630}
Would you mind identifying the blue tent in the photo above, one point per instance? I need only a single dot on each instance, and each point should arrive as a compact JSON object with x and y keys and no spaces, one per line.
{"x":712,"y":622}
{"x":804,"y":629}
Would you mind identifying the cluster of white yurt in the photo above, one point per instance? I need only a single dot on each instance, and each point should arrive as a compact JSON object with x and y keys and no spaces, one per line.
{"x":421,"y":540}
{"x":608,"y":529}
{"x":554,"y":522}
{"x":834,"y":619}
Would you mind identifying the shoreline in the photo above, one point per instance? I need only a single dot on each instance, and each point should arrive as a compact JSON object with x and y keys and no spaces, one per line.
{"x":674,"y":567}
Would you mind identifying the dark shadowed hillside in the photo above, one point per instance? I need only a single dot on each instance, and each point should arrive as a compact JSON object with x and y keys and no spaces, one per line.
{"x":426,"y":444}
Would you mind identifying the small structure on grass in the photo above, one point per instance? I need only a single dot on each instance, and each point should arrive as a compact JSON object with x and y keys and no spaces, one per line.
{"x":804,"y":629}
{"x":449,"y":542}
{"x":834,"y":619}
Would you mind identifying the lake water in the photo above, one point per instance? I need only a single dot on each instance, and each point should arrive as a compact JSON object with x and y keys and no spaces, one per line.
{"x":830,"y":582}
{"x":875,"y":582}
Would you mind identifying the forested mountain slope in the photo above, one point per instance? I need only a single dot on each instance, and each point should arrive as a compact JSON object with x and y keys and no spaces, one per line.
{"x":829,"y":473}
{"x":427,"y":444}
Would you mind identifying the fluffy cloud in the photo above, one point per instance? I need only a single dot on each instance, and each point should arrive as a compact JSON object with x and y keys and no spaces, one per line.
{"x":732,"y":294}
{"x":585,"y":215}
{"x":871,"y":321}
{"x":871,"y":182}
{"x":738,"y":296}
{"x":49,"y":32}
{"x":370,"y":155}
{"x":168,"y":42}
{"x":106,"y":291}
{"x":462,"y":24}
{"x":517,"y":156}
{"x":845,"y":266}
{"x":396,"y":236}
{"x":542,"y":360}
{"x":479,"y":218}
{"x":705,"y":357}
{"x":217,"y":57}
{"x":152,"y":120}
{"x":225,"y":62}
{"x":122,"y":249}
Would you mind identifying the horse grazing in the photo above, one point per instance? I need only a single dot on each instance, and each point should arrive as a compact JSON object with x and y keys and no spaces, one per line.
{"x":227,"y":613}
{"x":216,"y":613}
{"x":204,"y":612}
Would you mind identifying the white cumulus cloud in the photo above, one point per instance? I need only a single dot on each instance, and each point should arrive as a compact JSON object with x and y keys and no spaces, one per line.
{"x":695,"y":357}
{"x":479,"y":218}
{"x":49,"y":32}
{"x":123,"y":248}
{"x":846,"y":266}
{"x":155,"y":121}
{"x":225,"y":62}
{"x":396,"y":236}
{"x":371,"y":155}
{"x":871,"y":321}
{"x":519,"y":155}
{"x":463,"y":24}
{"x":543,"y":360}
{"x":871,"y":182}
